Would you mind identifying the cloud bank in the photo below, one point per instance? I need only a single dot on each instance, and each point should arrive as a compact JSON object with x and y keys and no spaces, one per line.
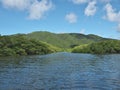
{"x":79,"y":1}
{"x":38,"y":9}
{"x":35,"y":8}
{"x":90,"y":10}
{"x":71,"y":18}
{"x":112,"y":15}
{"x":16,"y":4}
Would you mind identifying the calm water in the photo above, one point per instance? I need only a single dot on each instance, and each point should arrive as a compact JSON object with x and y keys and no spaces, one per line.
{"x":61,"y":71}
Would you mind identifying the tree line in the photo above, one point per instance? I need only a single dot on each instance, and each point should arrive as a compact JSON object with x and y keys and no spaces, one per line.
{"x":15,"y":45}
{"x":103,"y":47}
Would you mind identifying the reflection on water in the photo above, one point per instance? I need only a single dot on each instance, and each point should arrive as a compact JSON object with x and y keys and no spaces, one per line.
{"x":60,"y":71}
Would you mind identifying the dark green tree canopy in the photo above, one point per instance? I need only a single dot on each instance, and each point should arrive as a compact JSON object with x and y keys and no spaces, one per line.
{"x":103,"y":47}
{"x":20,"y":45}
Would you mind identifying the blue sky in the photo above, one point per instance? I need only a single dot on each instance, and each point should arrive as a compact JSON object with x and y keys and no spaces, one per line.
{"x":100,"y":17}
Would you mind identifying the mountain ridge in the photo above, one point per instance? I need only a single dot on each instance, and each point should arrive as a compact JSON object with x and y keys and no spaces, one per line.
{"x":65,"y":40}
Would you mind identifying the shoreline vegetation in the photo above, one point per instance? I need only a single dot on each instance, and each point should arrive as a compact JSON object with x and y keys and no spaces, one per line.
{"x":18,"y":45}
{"x":103,"y":47}
{"x":39,"y":43}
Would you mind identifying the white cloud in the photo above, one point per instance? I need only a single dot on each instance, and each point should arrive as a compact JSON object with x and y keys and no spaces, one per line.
{"x":105,"y":1}
{"x":112,"y":15}
{"x":118,"y":28}
{"x":38,"y":9}
{"x":16,"y":4}
{"x":71,"y":18}
{"x":79,"y":1}
{"x":82,"y":31}
{"x":35,"y":8}
{"x":90,"y":10}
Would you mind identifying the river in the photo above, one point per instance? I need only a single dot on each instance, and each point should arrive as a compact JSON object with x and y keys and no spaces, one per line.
{"x":60,"y":71}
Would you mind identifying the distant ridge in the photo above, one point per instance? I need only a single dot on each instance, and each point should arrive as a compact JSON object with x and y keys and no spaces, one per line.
{"x":65,"y":40}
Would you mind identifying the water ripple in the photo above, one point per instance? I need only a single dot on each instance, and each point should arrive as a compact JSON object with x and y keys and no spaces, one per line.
{"x":61,"y":71}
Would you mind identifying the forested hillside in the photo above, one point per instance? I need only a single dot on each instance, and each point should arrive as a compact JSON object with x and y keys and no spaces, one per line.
{"x":15,"y":45}
{"x":45,"y":42}
{"x":65,"y":40}
{"x":103,"y":47}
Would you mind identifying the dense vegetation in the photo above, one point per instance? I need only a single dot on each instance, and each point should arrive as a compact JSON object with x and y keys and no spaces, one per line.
{"x":103,"y":47}
{"x":65,"y":40}
{"x":37,"y":43}
{"x":20,"y":45}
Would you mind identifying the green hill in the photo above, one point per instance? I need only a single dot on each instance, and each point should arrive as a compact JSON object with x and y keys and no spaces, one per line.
{"x":46,"y":42}
{"x":65,"y":40}
{"x":102,"y":47}
{"x":18,"y":44}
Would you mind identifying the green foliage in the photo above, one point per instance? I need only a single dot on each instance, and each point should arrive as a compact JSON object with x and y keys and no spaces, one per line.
{"x":37,"y":43}
{"x":103,"y":47}
{"x":65,"y":40}
{"x":15,"y":45}
{"x":81,"y":49}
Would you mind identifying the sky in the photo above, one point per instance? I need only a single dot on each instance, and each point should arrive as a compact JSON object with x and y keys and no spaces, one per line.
{"x":100,"y":17}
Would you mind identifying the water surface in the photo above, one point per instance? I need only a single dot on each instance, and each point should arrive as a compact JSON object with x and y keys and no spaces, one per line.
{"x":60,"y":71}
